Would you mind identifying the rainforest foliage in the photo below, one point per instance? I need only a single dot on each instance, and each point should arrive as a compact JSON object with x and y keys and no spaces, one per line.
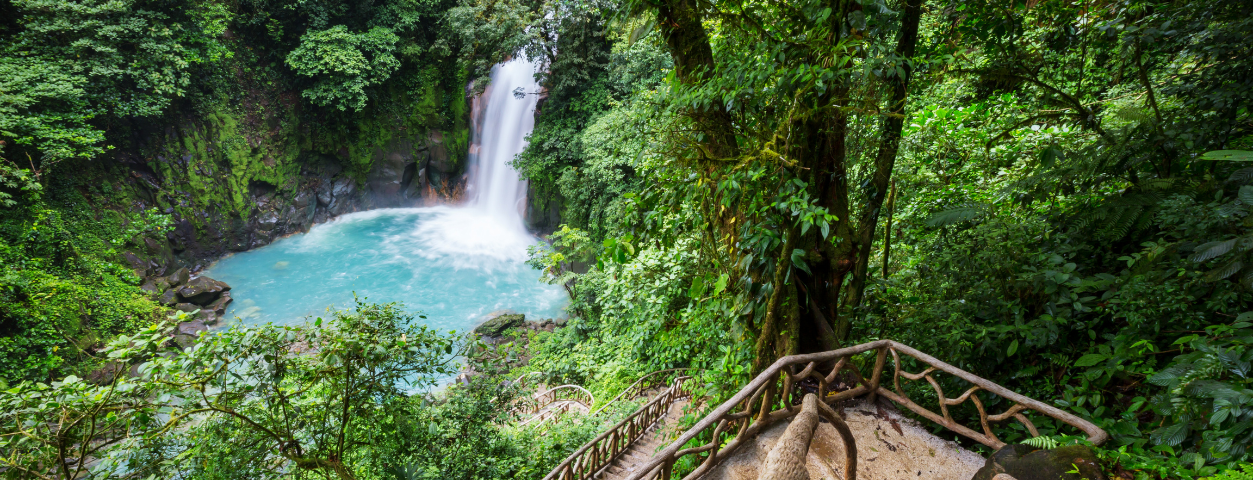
{"x":1054,"y":195}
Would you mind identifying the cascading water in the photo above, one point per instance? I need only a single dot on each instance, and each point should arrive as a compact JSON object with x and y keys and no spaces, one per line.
{"x":500,"y":134}
{"x":455,"y":264}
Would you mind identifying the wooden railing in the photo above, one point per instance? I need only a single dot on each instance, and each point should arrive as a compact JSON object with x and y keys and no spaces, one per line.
{"x":561,"y":397}
{"x":604,"y":449}
{"x":775,"y":395}
{"x":645,"y":383}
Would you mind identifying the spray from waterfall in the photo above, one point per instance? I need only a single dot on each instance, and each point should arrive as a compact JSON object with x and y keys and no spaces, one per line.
{"x":489,"y":230}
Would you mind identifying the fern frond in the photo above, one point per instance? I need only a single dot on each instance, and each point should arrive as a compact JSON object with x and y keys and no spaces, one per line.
{"x":1044,"y":441}
{"x":1246,"y":195}
{"x":1092,"y":216}
{"x":1133,"y":114}
{"x":1125,"y":221}
{"x":1158,"y":184}
{"x":1245,"y":473}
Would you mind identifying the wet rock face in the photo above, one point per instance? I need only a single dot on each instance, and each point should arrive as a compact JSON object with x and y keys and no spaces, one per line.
{"x":220,"y":215}
{"x":1024,"y":462}
{"x":543,"y":213}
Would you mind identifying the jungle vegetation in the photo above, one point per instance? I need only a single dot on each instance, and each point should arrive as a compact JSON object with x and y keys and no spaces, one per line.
{"x":1054,"y":195}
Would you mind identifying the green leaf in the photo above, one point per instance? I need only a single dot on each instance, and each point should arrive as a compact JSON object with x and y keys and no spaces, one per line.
{"x":1229,"y":155}
{"x":1013,"y":347}
{"x":1211,"y":250}
{"x":1091,"y":359}
{"x":698,"y":288}
{"x":721,"y":284}
{"x":798,"y":259}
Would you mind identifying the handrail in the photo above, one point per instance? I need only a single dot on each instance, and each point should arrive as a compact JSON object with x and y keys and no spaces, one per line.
{"x":751,"y":409}
{"x":550,"y":411}
{"x":636,"y":391}
{"x":556,"y":394}
{"x":599,"y":453}
{"x":525,"y":376}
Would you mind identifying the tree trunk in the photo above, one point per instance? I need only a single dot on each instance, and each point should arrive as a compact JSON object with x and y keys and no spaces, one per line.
{"x":765,"y":349}
{"x":885,"y":159}
{"x":680,"y":22}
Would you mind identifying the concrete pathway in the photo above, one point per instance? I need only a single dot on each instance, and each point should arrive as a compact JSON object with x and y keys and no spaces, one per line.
{"x":889,"y":447}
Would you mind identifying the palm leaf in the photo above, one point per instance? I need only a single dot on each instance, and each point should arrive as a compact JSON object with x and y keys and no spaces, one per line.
{"x":1246,"y":195}
{"x":1212,"y":250}
{"x":1242,"y":175}
{"x":1224,"y":271}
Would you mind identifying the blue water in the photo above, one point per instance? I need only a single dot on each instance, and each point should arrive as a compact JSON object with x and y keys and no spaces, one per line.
{"x":455,"y":265}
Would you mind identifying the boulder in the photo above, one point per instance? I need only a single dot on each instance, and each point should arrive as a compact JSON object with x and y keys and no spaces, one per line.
{"x":106,"y":373}
{"x":344,"y":187}
{"x":193,"y":328}
{"x":440,"y":158}
{"x":150,"y":287}
{"x":179,"y":277}
{"x":138,"y":265}
{"x":414,"y":189}
{"x":387,"y":174}
{"x":218,"y":307}
{"x":186,"y":307}
{"x":186,"y":333}
{"x":202,"y":290}
{"x":153,"y":246}
{"x":1024,"y":462}
{"x":496,"y":326}
{"x":206,"y":317}
{"x":169,"y":298}
{"x":161,"y":283}
{"x":324,"y":193}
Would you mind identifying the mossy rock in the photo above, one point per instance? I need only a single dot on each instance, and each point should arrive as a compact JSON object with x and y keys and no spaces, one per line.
{"x":1024,"y":462}
{"x":496,"y":327}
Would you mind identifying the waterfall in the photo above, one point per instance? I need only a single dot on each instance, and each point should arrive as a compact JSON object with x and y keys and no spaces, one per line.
{"x":500,"y":121}
{"x":455,"y":263}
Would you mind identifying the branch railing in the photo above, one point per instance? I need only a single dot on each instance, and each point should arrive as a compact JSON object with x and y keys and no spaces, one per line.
{"x":599,"y":453}
{"x":562,"y":393}
{"x":776,"y":394}
{"x":645,"y":383}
